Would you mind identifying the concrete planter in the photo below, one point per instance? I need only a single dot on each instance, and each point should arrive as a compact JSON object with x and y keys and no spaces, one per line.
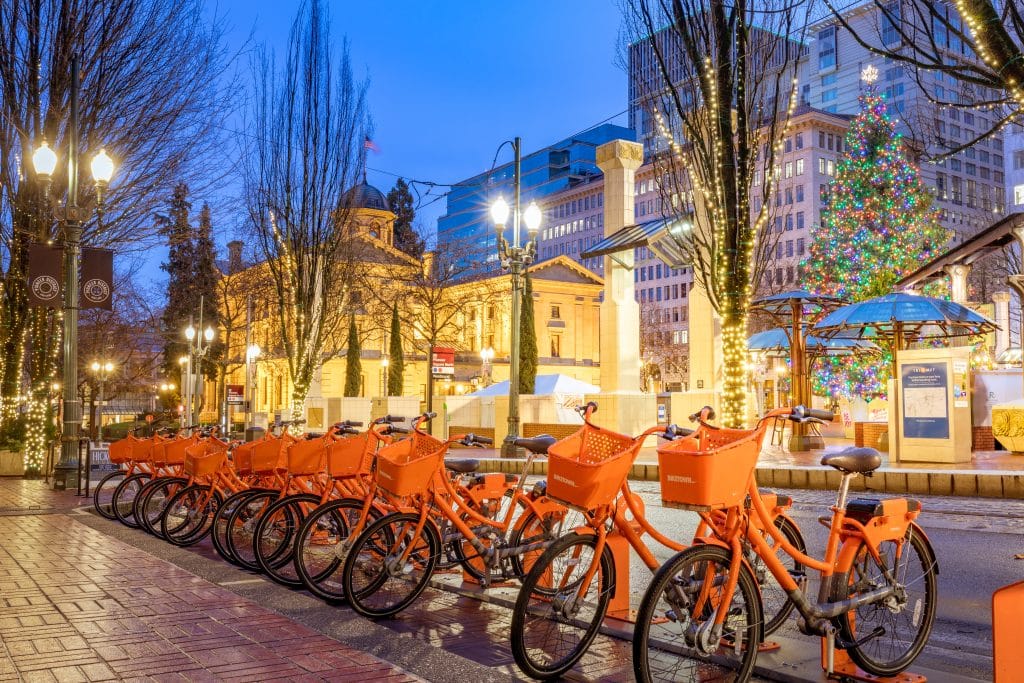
{"x":11,"y":464}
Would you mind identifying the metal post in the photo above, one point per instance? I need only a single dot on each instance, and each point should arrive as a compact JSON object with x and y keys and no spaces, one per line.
{"x":99,"y":410}
{"x":248,"y":364}
{"x":68,"y":465}
{"x":508,"y":448}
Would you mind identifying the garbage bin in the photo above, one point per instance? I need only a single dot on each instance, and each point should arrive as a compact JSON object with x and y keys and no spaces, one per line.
{"x":253,"y":433}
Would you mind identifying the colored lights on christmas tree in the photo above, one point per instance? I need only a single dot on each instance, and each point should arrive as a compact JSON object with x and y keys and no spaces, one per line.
{"x":878,"y":224}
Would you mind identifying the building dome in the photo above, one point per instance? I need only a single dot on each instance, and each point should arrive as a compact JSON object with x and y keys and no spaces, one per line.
{"x":366,"y":196}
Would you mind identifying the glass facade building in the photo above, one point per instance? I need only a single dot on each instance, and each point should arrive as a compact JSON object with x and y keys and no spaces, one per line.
{"x":554,"y":168}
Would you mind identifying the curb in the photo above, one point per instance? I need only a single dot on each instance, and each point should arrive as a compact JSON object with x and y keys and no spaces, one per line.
{"x":966,"y":483}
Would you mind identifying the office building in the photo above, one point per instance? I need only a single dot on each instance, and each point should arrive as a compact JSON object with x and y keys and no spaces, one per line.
{"x":555,"y":168}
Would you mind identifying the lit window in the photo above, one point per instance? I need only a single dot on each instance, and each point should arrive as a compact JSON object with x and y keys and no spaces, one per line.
{"x":1018,"y":195}
{"x":799,"y":166}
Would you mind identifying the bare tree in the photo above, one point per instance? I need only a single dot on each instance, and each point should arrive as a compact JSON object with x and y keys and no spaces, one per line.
{"x":721,"y":89}
{"x":664,"y":357}
{"x":309,"y":119}
{"x":130,"y":51}
{"x":435,"y":300}
{"x":979,"y":43}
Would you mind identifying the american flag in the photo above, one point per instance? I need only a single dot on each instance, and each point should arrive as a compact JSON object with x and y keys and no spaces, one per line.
{"x":369,"y":144}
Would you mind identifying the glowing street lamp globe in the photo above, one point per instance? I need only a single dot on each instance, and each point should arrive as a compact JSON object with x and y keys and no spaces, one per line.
{"x":499,"y":211}
{"x":44,"y":160}
{"x":102,"y":167}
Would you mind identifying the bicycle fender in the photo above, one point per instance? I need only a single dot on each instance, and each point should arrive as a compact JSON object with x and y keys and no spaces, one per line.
{"x":918,"y":531}
{"x":539,"y":507}
{"x":724,"y":546}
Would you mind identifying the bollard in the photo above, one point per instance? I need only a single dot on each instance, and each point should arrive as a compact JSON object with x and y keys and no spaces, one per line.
{"x":1007,"y":655}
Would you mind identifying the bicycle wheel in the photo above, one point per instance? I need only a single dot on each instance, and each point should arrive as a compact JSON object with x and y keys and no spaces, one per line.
{"x":903,"y":622}
{"x":777,"y":605}
{"x":534,"y":529}
{"x":275,"y":534}
{"x":675,"y":638}
{"x":188,"y":515}
{"x":375,"y":578}
{"x":242,"y":527}
{"x":123,"y":500}
{"x":103,"y":494}
{"x":322,"y":543}
{"x":218,"y":534}
{"x":556,"y":616}
{"x":151,"y":503}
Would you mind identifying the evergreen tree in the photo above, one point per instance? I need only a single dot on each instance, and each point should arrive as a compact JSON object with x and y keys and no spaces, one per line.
{"x":353,"y":366}
{"x":396,"y":359}
{"x":401,"y":203}
{"x":527,"y":341}
{"x":204,"y":283}
{"x":177,"y":231}
{"x":878,"y":225}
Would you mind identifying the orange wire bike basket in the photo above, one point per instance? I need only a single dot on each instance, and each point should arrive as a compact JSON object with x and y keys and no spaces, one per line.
{"x":173,"y":452}
{"x":205,"y":458}
{"x":123,"y":450}
{"x":709,"y":469}
{"x":241,"y":457}
{"x":408,"y":467}
{"x":307,"y":457}
{"x":269,"y":455}
{"x":351,"y":456}
{"x":586,"y":469}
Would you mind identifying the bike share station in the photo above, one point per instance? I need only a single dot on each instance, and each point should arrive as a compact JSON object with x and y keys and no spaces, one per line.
{"x":624,"y":409}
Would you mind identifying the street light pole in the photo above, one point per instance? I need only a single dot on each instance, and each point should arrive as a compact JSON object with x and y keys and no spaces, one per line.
{"x":515,"y":258}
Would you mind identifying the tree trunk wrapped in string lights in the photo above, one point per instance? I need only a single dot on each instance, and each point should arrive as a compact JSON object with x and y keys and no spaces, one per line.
{"x":879,"y":224}
{"x":721,"y":97}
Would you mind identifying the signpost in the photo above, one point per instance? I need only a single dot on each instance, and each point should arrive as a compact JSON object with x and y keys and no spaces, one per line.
{"x":442,"y":362}
{"x":236,"y":394}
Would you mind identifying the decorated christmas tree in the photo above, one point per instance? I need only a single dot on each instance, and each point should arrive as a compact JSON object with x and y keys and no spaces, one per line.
{"x":878,"y":225}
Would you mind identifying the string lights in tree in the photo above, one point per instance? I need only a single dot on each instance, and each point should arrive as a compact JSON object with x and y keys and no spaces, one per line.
{"x":878,"y":224}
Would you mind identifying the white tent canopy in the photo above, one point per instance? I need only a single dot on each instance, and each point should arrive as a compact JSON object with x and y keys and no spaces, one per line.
{"x":543,"y":386}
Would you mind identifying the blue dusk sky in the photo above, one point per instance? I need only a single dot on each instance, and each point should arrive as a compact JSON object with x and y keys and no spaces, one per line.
{"x":449,"y":81}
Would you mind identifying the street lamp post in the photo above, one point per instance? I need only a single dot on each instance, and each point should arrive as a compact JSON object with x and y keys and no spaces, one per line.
{"x":45,"y":161}
{"x":252,"y":352}
{"x":197,"y":350}
{"x":486,"y":356}
{"x":515,"y":258}
{"x":102,"y":372}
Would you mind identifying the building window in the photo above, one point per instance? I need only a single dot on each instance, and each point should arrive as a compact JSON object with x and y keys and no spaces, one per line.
{"x":799,"y":166}
{"x":800,"y":247}
{"x":789,"y":145}
{"x":799,"y":220}
{"x":789,"y":248}
{"x":789,"y":169}
{"x":799,"y":141}
{"x":1018,"y":160}
{"x":556,"y":312}
{"x":789,"y":222}
{"x":556,"y":346}
{"x":830,"y":95}
{"x":1018,"y":195}
{"x":799,"y":193}
{"x":827,"y":48}
{"x":789,"y":274}
{"x":789,"y":195}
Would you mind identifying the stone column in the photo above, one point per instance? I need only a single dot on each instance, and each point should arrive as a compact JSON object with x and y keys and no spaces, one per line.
{"x":958,"y":282}
{"x":1002,"y":306}
{"x":620,"y":312}
{"x":622,"y":407}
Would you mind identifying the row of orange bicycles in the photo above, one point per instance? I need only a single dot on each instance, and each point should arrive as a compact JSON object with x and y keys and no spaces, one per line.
{"x":368,"y":517}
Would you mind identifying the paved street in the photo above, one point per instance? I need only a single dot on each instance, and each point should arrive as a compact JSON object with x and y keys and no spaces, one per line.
{"x":88,"y":599}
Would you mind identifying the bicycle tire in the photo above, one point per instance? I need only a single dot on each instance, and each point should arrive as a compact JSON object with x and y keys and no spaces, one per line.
{"x":220,"y":523}
{"x":151,"y":504}
{"x":670,"y":628}
{"x":197,"y":522}
{"x":123,"y":500}
{"x":277,"y":560}
{"x":321,"y":546}
{"x":242,"y":526}
{"x":539,"y":606}
{"x":921,"y":601}
{"x":367,"y":564}
{"x":100,"y":494}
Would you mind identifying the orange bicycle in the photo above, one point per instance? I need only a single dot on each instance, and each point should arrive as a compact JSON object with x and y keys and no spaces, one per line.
{"x":391,"y":561}
{"x":132,"y":455}
{"x":565,"y":597}
{"x":701,"y":617}
{"x":188,"y":515}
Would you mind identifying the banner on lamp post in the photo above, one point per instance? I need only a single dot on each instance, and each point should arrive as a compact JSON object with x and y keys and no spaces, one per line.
{"x":97,"y":278}
{"x":44,"y":275}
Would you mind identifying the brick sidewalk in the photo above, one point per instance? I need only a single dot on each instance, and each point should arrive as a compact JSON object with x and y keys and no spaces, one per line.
{"x":77,"y":605}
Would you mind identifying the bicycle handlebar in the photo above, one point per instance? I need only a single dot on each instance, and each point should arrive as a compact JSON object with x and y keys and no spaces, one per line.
{"x":474,"y":440}
{"x":704,"y":414}
{"x":398,"y":430}
{"x":800,"y":412}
